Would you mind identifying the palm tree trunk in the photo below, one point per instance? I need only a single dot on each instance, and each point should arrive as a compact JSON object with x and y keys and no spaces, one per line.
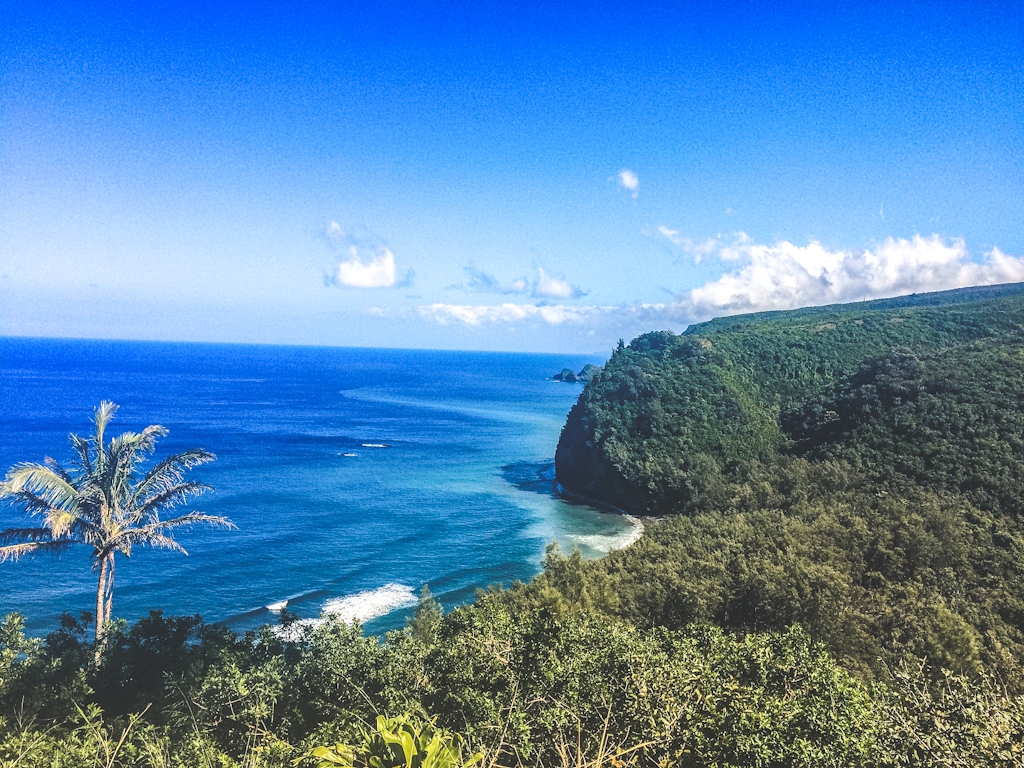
{"x":110,"y":589}
{"x":101,"y":590}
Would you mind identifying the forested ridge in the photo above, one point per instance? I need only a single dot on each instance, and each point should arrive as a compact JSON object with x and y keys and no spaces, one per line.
{"x":857,"y":470}
{"x":668,"y":408}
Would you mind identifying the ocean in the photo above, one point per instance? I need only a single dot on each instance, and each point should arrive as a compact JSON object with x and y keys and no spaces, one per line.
{"x":461,"y":497}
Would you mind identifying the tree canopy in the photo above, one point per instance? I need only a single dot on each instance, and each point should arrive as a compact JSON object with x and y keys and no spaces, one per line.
{"x":857,"y":470}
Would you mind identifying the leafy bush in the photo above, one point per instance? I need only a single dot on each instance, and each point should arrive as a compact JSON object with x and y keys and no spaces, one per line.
{"x":405,"y":741}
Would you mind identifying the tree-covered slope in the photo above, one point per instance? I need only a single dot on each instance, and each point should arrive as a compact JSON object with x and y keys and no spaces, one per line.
{"x":857,"y":470}
{"x":669,"y":411}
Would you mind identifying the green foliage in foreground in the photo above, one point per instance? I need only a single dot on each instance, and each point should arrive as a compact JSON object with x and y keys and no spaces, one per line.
{"x":528,"y":676}
{"x":875,"y":576}
{"x":404,"y":741}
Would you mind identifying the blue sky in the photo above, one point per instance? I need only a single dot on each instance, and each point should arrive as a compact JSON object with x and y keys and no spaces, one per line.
{"x":545,"y":177}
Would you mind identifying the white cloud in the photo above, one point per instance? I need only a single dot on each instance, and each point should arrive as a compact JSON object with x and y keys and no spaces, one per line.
{"x":508,"y":313}
{"x":554,"y":287}
{"x":784,"y":276}
{"x":699,"y":250}
{"x":763,"y":277}
{"x":546,"y":286}
{"x":629,"y":180}
{"x":367,"y":262}
{"x":378,"y":272}
{"x":483,"y":282}
{"x":671,"y":235}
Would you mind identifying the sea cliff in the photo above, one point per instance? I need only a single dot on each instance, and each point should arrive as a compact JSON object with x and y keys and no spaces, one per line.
{"x":669,"y":413}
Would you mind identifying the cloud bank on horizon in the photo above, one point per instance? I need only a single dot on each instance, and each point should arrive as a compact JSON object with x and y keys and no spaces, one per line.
{"x":769,"y":277}
{"x":785,"y":276}
{"x":547,"y":285}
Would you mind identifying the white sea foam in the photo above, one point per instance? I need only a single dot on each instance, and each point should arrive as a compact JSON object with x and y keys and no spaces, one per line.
{"x":362,"y":606}
{"x":277,"y":607}
{"x":371,"y":604}
{"x":606,"y":542}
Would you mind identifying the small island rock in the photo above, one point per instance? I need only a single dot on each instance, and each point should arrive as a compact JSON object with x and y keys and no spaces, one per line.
{"x":565,"y":375}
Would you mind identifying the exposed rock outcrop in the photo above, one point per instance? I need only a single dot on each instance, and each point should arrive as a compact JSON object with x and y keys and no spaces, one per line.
{"x":582,"y":471}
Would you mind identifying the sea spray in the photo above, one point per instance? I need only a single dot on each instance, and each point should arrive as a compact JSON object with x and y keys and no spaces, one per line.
{"x":361,"y":607}
{"x":606,"y":542}
{"x":371,"y":604}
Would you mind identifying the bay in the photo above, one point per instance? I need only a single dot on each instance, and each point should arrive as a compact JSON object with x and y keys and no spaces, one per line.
{"x":461,"y":497}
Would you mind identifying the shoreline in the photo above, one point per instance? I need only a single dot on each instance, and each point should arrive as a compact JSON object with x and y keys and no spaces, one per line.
{"x":639,"y":522}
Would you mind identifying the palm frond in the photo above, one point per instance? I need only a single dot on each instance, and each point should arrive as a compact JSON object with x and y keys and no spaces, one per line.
{"x":33,"y":504}
{"x":58,"y":470}
{"x":61,"y":522}
{"x":24,"y":535}
{"x":64,"y":520}
{"x":16,"y":551}
{"x":160,"y":541}
{"x":155,"y":534}
{"x":41,"y":481}
{"x":101,"y":418}
{"x":82,"y":448}
{"x":119,"y":465}
{"x":168,"y":497}
{"x":147,"y":438}
{"x":125,"y":453}
{"x":170,"y":471}
{"x":192,"y":518}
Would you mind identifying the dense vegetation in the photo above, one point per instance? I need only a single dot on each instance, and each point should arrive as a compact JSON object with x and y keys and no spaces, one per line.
{"x":531,"y":676}
{"x":857,"y":470}
{"x":837,"y":580}
{"x":668,"y":410}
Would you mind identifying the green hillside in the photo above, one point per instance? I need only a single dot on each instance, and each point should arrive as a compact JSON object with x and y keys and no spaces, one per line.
{"x":856,"y":469}
{"x":670,"y":411}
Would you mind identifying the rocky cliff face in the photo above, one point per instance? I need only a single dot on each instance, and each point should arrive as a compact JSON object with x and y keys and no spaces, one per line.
{"x":582,"y":470}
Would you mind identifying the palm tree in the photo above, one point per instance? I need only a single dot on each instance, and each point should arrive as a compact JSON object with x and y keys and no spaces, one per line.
{"x":104,"y":502}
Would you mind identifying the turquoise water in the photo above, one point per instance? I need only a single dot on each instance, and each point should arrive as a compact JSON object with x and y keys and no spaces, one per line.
{"x":461,"y":499}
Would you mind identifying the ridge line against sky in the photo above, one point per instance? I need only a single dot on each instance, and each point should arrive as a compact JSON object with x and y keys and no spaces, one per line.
{"x":495,"y":177}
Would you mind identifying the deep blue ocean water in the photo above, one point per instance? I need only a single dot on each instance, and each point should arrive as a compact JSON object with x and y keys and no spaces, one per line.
{"x":461,"y":499}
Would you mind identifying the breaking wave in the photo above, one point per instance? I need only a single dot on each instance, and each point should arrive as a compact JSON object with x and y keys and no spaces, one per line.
{"x":606,"y":542}
{"x":371,"y":604}
{"x":361,"y":607}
